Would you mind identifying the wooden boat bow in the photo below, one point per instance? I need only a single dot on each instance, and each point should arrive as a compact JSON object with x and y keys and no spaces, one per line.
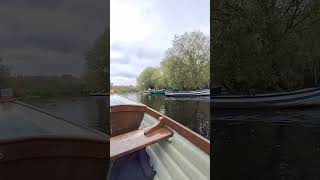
{"x":141,"y":133}
{"x":133,"y":139}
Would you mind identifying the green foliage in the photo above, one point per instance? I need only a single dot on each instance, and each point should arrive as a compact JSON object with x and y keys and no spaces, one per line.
{"x":96,"y":64}
{"x":150,"y":78}
{"x":261,"y":44}
{"x":187,"y":62}
{"x":4,"y":73}
{"x":186,"y":65}
{"x":124,"y":89}
{"x":42,"y":86}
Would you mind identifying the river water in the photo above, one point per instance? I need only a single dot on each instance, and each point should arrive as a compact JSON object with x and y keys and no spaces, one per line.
{"x":87,"y":111}
{"x":279,"y":144}
{"x":193,"y":113}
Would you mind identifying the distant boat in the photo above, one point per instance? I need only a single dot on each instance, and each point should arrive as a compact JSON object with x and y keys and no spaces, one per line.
{"x":6,"y":95}
{"x":6,"y":92}
{"x":156,"y":91}
{"x":203,"y":92}
{"x":142,"y":137}
{"x":298,"y":98}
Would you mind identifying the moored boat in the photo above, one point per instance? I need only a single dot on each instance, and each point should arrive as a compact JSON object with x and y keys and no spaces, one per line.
{"x":6,"y":95}
{"x":156,"y":91}
{"x":188,"y":98}
{"x":298,"y":98}
{"x":203,"y":92}
{"x":35,"y":144}
{"x":141,"y":136}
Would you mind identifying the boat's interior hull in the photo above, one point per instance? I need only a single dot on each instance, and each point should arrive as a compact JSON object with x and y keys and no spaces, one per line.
{"x":34,"y":144}
{"x":177,"y":158}
{"x":180,"y":157}
{"x":123,"y":122}
{"x":52,"y":158}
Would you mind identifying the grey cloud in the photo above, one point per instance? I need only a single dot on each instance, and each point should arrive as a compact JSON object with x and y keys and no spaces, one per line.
{"x":126,"y":74}
{"x":147,"y":54}
{"x":174,"y":17}
{"x":135,"y":58}
{"x":139,"y":52}
{"x":123,"y":60}
{"x":66,"y":27}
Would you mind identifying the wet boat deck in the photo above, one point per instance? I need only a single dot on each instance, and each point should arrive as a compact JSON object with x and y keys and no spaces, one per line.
{"x":18,"y":120}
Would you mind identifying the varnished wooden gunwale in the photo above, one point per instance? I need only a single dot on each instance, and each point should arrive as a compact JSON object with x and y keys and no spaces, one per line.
{"x":193,"y":137}
{"x":49,"y":155}
{"x":7,"y":99}
{"x":125,"y":118}
{"x":50,"y":147}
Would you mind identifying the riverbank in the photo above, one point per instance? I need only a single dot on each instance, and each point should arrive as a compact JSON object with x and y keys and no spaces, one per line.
{"x":46,"y":86}
{"x":125,"y":89}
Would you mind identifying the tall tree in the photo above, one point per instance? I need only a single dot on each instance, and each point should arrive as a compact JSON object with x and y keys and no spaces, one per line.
{"x":4,"y":73}
{"x":97,"y":58}
{"x":258,"y":44}
{"x":149,"y":78}
{"x":187,"y":63}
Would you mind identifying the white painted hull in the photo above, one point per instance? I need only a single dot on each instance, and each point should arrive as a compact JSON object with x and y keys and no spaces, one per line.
{"x":304,"y":97}
{"x":205,"y":92}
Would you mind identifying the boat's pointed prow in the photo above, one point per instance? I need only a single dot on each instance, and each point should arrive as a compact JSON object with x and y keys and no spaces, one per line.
{"x":175,"y":151}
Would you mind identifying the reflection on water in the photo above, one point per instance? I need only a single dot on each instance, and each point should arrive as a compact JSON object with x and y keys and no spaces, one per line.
{"x":191,"y":112}
{"x":264,"y":145}
{"x":88,"y":111}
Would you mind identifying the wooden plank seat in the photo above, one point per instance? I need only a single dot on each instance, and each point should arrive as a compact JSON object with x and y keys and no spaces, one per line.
{"x":127,"y":143}
{"x":6,"y":99}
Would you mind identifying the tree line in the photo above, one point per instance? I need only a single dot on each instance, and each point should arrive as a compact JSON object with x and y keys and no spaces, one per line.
{"x":265,"y":45}
{"x":4,"y":73}
{"x":186,"y":65}
{"x":96,"y":68}
{"x":94,"y":78}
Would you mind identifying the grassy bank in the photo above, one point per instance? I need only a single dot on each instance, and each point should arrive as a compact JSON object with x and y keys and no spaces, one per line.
{"x":125,"y":89}
{"x":46,"y":86}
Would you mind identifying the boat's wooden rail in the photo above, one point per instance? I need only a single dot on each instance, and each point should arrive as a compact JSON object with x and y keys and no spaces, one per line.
{"x":190,"y":135}
{"x":7,"y":99}
{"x":51,"y":147}
{"x":124,"y":144}
{"x":53,"y":158}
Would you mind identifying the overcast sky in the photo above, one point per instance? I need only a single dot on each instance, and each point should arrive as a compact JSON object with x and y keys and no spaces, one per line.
{"x":142,"y":30}
{"x":49,"y":37}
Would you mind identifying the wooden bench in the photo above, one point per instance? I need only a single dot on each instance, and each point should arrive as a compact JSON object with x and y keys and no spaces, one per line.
{"x":127,"y":143}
